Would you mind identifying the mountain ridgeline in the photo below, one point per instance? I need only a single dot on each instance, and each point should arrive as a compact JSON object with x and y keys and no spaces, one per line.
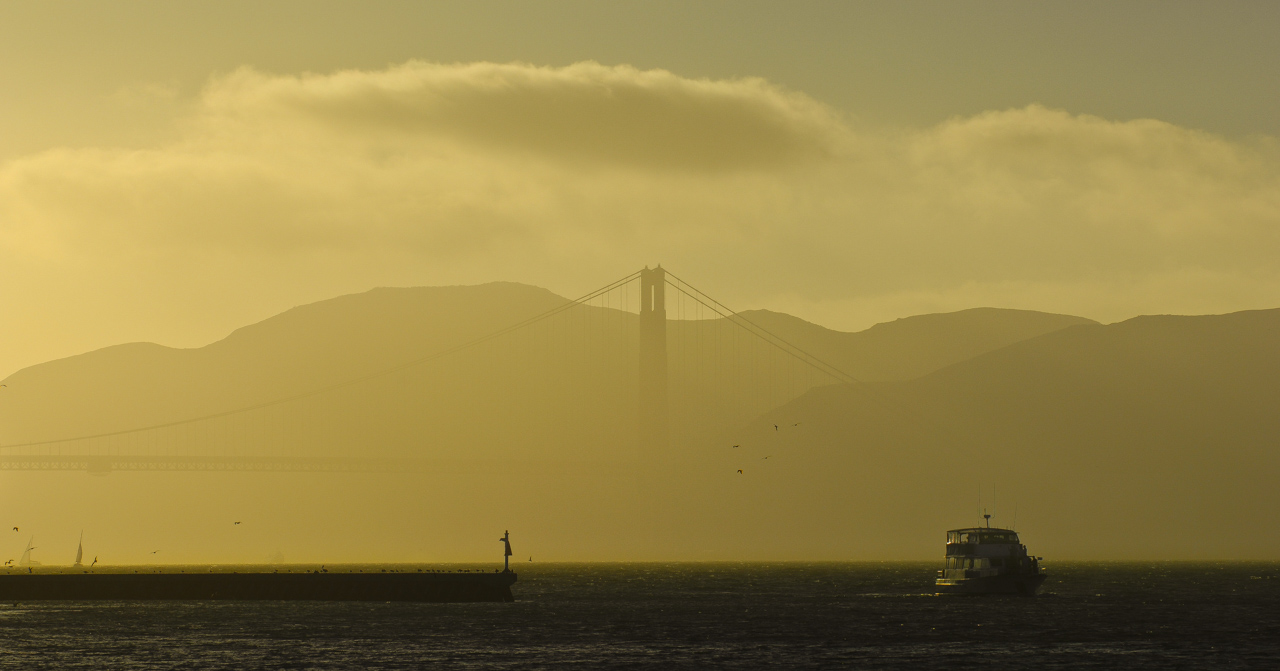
{"x":1108,"y":440}
{"x":1156,"y":437}
{"x":560,"y":388}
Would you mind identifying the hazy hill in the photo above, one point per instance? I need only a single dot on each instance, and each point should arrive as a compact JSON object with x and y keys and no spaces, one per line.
{"x":302,"y":349}
{"x":913,"y":346}
{"x":1155,"y":437}
{"x":583,"y":360}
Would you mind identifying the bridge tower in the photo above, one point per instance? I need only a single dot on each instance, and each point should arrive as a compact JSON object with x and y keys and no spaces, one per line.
{"x":653,"y":359}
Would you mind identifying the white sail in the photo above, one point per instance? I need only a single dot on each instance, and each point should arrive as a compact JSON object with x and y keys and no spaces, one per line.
{"x":26,"y":556}
{"x":80,"y":549}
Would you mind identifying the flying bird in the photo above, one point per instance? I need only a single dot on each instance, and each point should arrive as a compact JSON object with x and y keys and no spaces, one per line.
{"x":775,"y":427}
{"x":739,"y":471}
{"x":796,"y":424}
{"x":763,"y":458}
{"x":237,"y":522}
{"x":95,"y":561}
{"x":154,"y":551}
{"x":735,"y":445}
{"x":15,"y":528}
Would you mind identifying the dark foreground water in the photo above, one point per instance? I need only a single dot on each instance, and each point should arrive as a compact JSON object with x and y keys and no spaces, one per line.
{"x":1101,"y":615}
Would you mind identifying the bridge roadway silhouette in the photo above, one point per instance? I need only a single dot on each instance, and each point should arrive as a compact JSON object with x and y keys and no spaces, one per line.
{"x":93,"y":463}
{"x":652,"y":426}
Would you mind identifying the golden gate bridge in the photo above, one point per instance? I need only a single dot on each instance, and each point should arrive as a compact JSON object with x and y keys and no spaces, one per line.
{"x":674,"y":358}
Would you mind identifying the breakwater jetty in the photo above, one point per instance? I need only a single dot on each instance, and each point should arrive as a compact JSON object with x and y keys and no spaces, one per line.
{"x":227,"y":583}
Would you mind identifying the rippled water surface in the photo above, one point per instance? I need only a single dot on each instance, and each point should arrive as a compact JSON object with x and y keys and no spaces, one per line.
{"x":1101,"y":615}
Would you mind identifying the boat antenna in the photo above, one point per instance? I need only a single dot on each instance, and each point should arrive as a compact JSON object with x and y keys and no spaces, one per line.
{"x":979,"y":501}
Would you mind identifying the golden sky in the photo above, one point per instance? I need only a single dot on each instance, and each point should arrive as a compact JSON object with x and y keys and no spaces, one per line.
{"x":171,"y":172}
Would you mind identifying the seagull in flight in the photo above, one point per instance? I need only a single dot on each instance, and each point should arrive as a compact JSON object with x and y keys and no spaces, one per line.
{"x":15,"y":528}
{"x":735,"y":446}
{"x":762,"y":459}
{"x":739,"y":471}
{"x":237,"y":522}
{"x":154,"y":551}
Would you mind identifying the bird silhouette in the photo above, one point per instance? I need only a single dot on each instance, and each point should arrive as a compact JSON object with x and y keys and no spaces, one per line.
{"x":15,"y":528}
{"x":237,"y":522}
{"x":763,"y":458}
{"x":154,"y":551}
{"x":739,"y":471}
{"x":775,"y":427}
{"x":735,"y":445}
{"x":95,"y":561}
{"x":796,"y":424}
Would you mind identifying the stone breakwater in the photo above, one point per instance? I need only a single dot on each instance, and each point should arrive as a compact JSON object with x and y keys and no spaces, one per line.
{"x":314,"y":586}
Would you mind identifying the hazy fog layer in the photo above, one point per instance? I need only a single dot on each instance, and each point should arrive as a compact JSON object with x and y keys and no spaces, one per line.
{"x":1110,"y":441}
{"x":536,"y":430}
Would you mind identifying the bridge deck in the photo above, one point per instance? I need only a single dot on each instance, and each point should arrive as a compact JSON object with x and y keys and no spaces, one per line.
{"x":106,"y":464}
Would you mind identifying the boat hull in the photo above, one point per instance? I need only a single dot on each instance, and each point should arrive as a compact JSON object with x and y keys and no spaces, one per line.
{"x":1011,"y":585}
{"x":422,"y":587}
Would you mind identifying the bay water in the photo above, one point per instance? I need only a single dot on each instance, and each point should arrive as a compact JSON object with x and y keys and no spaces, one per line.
{"x":1134,"y":615}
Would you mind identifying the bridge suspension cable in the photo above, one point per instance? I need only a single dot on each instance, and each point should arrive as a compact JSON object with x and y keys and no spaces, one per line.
{"x":349,"y":382}
{"x":760,"y":332}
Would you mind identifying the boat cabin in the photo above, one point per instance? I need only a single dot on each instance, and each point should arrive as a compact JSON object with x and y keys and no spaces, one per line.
{"x":981,"y":535}
{"x":981,"y":552}
{"x":987,"y":560}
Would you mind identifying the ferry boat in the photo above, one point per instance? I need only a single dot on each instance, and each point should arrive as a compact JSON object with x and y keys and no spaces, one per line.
{"x":987,"y":560}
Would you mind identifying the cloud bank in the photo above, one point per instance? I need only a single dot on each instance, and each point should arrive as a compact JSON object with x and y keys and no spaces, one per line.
{"x":585,"y":112}
{"x":285,"y":189}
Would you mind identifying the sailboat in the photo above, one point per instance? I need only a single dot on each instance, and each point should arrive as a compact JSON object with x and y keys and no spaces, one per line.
{"x":26,"y":556}
{"x":80,"y":550}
